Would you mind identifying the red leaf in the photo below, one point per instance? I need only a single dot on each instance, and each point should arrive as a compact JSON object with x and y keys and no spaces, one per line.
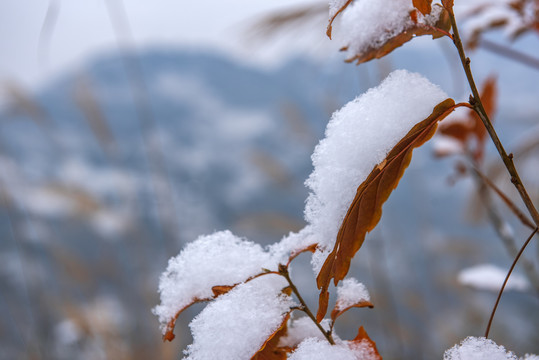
{"x":366,"y":208}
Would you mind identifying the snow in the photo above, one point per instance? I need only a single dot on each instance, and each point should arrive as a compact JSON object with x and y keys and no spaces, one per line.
{"x":335,"y":6}
{"x":368,"y":24}
{"x":480,"y":348}
{"x":236,"y":325}
{"x":358,"y":137}
{"x":351,"y":292}
{"x":217,"y":259}
{"x":491,"y":277}
{"x":303,"y":328}
{"x":318,"y":349}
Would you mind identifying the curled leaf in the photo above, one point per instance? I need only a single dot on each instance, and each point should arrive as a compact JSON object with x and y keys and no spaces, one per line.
{"x":311,"y":248}
{"x":334,"y":12}
{"x":168,"y":335}
{"x":337,"y":311}
{"x":366,"y":208}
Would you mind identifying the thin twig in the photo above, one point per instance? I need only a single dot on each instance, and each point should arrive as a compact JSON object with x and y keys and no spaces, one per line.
{"x":500,"y":227}
{"x":507,"y":279}
{"x":475,"y":101}
{"x":283,"y":270}
{"x":510,"y":204}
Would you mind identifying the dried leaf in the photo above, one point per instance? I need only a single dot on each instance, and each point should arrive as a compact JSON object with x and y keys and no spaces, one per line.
{"x":271,"y":350}
{"x":440,"y":29}
{"x":323,"y":302}
{"x":424,"y":6}
{"x":311,"y":248}
{"x":362,"y":338}
{"x":340,"y":10}
{"x":471,"y":127}
{"x":222,"y":289}
{"x":169,"y":333}
{"x":366,"y":209}
{"x":336,"y":313}
{"x":448,"y":4}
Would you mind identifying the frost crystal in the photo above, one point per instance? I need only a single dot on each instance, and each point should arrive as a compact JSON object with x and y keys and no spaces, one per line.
{"x":351,"y":292}
{"x":218,"y":259}
{"x":236,"y":325}
{"x":358,"y":137}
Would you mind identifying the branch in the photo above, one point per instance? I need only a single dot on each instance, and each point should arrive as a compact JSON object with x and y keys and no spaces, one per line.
{"x":283,"y":270}
{"x":510,"y":204}
{"x":499,"y":226}
{"x":507,"y":279}
{"x":475,"y":101}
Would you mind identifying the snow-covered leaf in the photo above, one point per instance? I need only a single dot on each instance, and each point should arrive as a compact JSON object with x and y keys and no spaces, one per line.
{"x":366,"y":208}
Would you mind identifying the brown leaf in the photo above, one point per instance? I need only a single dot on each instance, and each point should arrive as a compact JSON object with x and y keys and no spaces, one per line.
{"x":448,"y":4}
{"x":424,"y":6}
{"x":169,"y":334}
{"x":311,"y":248}
{"x":329,"y":29}
{"x":323,"y":301}
{"x":366,"y":208}
{"x":471,"y":127}
{"x":222,"y":289}
{"x":488,"y":98}
{"x":336,"y":312}
{"x":361,"y":338}
{"x":442,"y":26}
{"x":271,"y":350}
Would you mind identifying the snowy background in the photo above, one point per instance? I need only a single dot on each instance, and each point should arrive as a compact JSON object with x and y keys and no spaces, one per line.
{"x":118,"y":148}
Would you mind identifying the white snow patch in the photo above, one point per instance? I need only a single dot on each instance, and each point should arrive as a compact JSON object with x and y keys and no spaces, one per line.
{"x":491,"y":277}
{"x":217,"y":259}
{"x":358,"y":137}
{"x":236,"y":325}
{"x":351,"y":292}
{"x":478,"y":348}
{"x":368,"y":24}
{"x":301,"y":329}
{"x":318,"y":349}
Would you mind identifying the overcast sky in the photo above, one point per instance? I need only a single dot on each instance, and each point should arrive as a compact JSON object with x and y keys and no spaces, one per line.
{"x":83,"y":27}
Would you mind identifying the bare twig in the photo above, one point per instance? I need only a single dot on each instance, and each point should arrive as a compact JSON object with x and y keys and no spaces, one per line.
{"x":510,"y":204}
{"x":283,"y":270}
{"x":475,"y":101}
{"x":507,"y":279}
{"x":501,"y":229}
